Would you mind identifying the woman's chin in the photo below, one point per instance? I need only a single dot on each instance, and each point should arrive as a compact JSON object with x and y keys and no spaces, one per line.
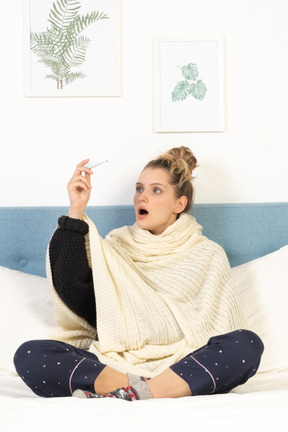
{"x":142,"y":224}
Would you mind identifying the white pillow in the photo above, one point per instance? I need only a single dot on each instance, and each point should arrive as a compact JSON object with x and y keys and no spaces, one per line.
{"x":262,"y":289}
{"x":26,"y":312}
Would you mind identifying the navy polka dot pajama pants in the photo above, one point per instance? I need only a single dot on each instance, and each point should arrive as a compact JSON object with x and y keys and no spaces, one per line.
{"x":224,"y":363}
{"x":52,"y":368}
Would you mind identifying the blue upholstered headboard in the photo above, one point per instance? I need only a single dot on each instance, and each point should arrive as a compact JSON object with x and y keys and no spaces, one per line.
{"x":245,"y":231}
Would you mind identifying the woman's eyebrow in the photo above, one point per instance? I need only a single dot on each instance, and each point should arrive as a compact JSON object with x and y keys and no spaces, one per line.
{"x":151,"y":184}
{"x":158,"y":184}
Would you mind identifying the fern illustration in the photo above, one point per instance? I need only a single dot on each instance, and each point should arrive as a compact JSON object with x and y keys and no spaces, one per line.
{"x":189,"y":86}
{"x":62,"y":46}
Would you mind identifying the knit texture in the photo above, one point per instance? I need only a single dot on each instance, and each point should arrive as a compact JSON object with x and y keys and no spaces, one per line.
{"x":71,"y":274}
{"x":158,"y":298}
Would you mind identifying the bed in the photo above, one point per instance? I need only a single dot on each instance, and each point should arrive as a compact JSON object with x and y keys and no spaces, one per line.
{"x":255,"y":238}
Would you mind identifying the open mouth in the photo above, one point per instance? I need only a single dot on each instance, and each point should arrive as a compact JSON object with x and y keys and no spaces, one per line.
{"x":142,"y":212}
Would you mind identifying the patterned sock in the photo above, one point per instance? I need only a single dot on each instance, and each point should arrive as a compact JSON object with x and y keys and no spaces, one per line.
{"x":139,"y":390}
{"x":145,"y":379}
{"x":125,"y":393}
{"x":135,"y":379}
{"x":142,"y":390}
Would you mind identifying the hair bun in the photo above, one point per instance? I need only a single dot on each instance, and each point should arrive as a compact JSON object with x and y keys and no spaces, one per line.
{"x":183,"y":154}
{"x":181,"y":161}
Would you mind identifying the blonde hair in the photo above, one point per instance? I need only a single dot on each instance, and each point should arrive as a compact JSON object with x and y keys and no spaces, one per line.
{"x":180,"y":163}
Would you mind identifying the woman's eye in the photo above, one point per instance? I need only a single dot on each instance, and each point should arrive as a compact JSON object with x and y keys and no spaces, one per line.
{"x":139,"y":189}
{"x":157,"y":190}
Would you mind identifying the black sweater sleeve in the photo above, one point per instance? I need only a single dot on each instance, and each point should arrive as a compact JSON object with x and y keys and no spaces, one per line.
{"x":71,"y":274}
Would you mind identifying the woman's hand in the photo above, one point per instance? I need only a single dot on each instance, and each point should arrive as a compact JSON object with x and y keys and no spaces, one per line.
{"x":79,"y":190}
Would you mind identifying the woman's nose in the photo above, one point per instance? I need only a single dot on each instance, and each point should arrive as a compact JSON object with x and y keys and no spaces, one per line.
{"x":143,"y":197}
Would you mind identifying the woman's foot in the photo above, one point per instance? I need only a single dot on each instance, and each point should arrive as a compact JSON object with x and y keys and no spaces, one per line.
{"x":137,"y":389}
{"x":125,"y":393}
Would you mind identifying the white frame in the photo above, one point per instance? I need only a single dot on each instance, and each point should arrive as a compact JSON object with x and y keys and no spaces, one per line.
{"x":215,"y":120}
{"x":115,"y":88}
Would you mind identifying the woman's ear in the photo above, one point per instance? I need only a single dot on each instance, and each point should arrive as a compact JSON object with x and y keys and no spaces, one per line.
{"x":181,"y":204}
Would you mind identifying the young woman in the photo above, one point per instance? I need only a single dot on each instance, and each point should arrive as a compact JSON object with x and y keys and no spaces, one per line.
{"x":147,"y":312}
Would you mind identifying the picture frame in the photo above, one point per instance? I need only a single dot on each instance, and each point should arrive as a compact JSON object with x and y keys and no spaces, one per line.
{"x":72,"y":48}
{"x":189,"y":84}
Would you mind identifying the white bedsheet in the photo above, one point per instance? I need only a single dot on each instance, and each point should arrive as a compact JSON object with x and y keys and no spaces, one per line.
{"x":246,"y":409}
{"x":259,"y":405}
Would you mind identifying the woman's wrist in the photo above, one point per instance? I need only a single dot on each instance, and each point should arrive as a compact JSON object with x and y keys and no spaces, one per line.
{"x":75,"y":213}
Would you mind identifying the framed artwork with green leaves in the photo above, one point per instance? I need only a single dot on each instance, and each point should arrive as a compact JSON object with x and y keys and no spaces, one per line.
{"x":189,"y":84}
{"x":72,"y":48}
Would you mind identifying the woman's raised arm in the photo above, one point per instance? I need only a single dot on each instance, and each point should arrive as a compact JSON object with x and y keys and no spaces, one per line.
{"x":79,"y":190}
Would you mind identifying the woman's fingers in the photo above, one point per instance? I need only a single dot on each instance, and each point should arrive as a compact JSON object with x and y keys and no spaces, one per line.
{"x":80,"y":183}
{"x":80,"y":169}
{"x":81,"y":175}
{"x":85,"y":180}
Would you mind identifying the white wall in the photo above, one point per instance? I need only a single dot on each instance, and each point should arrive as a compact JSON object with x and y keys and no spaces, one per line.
{"x":43,"y":138}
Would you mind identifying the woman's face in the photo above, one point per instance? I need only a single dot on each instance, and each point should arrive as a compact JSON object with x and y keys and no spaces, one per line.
{"x":156,"y":205}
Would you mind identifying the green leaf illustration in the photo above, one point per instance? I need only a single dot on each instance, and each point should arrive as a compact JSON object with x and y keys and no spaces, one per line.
{"x":190,"y":72}
{"x":62,"y":13}
{"x":199,"y":90}
{"x":189,"y":87}
{"x":181,"y":91}
{"x":75,"y":52}
{"x":73,"y":76}
{"x":62,"y":46}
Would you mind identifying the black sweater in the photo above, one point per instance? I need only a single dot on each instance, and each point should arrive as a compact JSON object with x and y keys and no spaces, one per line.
{"x":71,"y":274}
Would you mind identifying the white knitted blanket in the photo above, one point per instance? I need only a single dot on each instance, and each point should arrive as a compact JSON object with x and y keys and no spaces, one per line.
{"x":158,"y":298}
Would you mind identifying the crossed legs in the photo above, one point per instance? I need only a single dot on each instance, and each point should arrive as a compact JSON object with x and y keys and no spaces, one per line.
{"x":53,"y":368}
